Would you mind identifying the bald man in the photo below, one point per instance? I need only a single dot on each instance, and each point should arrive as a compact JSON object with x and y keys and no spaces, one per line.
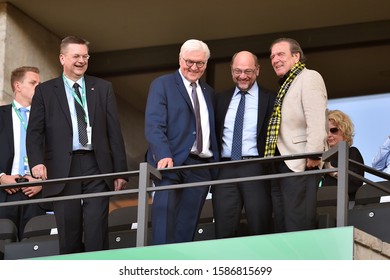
{"x":257,"y":103}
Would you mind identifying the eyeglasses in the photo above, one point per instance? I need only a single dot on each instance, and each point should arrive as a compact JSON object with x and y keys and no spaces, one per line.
{"x":78,"y":56}
{"x":198,"y":64}
{"x":334,"y":130}
{"x":247,"y":72}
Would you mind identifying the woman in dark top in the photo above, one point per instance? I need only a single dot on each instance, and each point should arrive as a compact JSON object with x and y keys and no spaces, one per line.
{"x":341,"y":128}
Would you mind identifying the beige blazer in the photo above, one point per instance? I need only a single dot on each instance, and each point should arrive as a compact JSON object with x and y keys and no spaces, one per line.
{"x":304,"y":121}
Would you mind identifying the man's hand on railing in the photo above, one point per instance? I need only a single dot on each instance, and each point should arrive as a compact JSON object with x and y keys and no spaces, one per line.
{"x":313,"y":163}
{"x":119,"y":184}
{"x":39,"y":172}
{"x":165,"y":162}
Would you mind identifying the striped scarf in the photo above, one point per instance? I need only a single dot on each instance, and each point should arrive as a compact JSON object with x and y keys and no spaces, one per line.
{"x":274,"y":122}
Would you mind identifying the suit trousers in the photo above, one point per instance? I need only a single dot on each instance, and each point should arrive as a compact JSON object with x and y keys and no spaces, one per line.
{"x":294,"y":200}
{"x":175,"y":213}
{"x":83,"y":224}
{"x":230,"y":199}
{"x":20,"y":215}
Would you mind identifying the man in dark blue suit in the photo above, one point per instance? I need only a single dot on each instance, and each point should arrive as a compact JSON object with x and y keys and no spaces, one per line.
{"x":177,"y":137}
{"x":12,"y":146}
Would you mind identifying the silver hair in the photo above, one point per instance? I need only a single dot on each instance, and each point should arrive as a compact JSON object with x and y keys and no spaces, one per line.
{"x":194,"y":45}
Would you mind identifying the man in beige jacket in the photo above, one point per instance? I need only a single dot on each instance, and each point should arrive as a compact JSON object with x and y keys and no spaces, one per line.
{"x":297,"y":125}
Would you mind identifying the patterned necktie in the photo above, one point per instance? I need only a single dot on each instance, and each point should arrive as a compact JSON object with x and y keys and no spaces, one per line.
{"x":199,"y":139}
{"x":81,"y":119}
{"x":238,"y":127}
{"x":22,"y":151}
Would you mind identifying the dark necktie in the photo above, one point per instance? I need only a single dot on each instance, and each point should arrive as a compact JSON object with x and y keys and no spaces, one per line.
{"x":81,"y":119}
{"x":238,"y":127}
{"x":199,"y":140}
{"x":22,"y":151}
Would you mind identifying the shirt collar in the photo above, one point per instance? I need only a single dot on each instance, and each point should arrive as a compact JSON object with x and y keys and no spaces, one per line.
{"x":71,"y":83}
{"x":18,"y":106}
{"x":251,"y":91}
{"x":186,"y":82}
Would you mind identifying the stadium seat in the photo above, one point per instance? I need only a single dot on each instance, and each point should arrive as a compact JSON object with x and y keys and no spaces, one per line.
{"x":122,"y":227}
{"x":8,"y":234}
{"x":39,"y":239}
{"x":373,"y":219}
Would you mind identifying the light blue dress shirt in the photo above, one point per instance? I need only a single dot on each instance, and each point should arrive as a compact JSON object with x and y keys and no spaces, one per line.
{"x":381,"y":161}
{"x":249,"y":134}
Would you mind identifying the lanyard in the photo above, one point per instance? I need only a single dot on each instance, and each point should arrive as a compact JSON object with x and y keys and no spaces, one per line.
{"x":22,"y":121}
{"x":83,"y":100}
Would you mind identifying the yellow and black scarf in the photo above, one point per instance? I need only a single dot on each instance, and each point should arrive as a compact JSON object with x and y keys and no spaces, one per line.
{"x":274,"y":122}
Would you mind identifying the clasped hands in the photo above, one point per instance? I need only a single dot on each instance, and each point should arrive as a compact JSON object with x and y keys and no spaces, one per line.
{"x":28,"y":191}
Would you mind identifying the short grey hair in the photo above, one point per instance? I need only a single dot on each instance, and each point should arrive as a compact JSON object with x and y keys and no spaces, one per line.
{"x":72,"y":40}
{"x":294,"y":47}
{"x":194,"y":45}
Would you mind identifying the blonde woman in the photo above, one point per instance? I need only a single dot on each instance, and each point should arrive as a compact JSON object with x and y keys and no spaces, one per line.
{"x":341,"y":128}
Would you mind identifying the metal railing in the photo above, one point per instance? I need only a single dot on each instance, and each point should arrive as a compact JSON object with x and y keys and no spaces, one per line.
{"x":147,"y":173}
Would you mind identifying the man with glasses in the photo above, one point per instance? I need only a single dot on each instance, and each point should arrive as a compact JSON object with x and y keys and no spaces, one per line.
{"x":179,"y":128}
{"x":74,"y":131}
{"x":242,"y":140}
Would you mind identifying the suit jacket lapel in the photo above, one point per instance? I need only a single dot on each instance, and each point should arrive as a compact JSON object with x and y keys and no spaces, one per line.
{"x":60,"y":93}
{"x":225,"y":102}
{"x":7,"y":125}
{"x":207,"y":97}
{"x":263,"y":104}
{"x":90,"y":88}
{"x":183,"y":91}
{"x":222,"y":101}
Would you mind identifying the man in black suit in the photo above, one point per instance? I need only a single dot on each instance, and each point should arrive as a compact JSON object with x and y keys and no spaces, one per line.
{"x":257,"y":104}
{"x":13,"y":160}
{"x":74,"y":130}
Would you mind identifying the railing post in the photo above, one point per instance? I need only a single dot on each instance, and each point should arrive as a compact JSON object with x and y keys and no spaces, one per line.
{"x":145,"y":181}
{"x":342,"y":184}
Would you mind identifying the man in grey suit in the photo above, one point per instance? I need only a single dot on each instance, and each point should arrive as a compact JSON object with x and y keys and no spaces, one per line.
{"x":74,"y":131}
{"x":298,"y":125}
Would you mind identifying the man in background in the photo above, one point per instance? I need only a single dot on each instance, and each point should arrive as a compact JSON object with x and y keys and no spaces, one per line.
{"x":13,"y":160}
{"x":381,"y":161}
